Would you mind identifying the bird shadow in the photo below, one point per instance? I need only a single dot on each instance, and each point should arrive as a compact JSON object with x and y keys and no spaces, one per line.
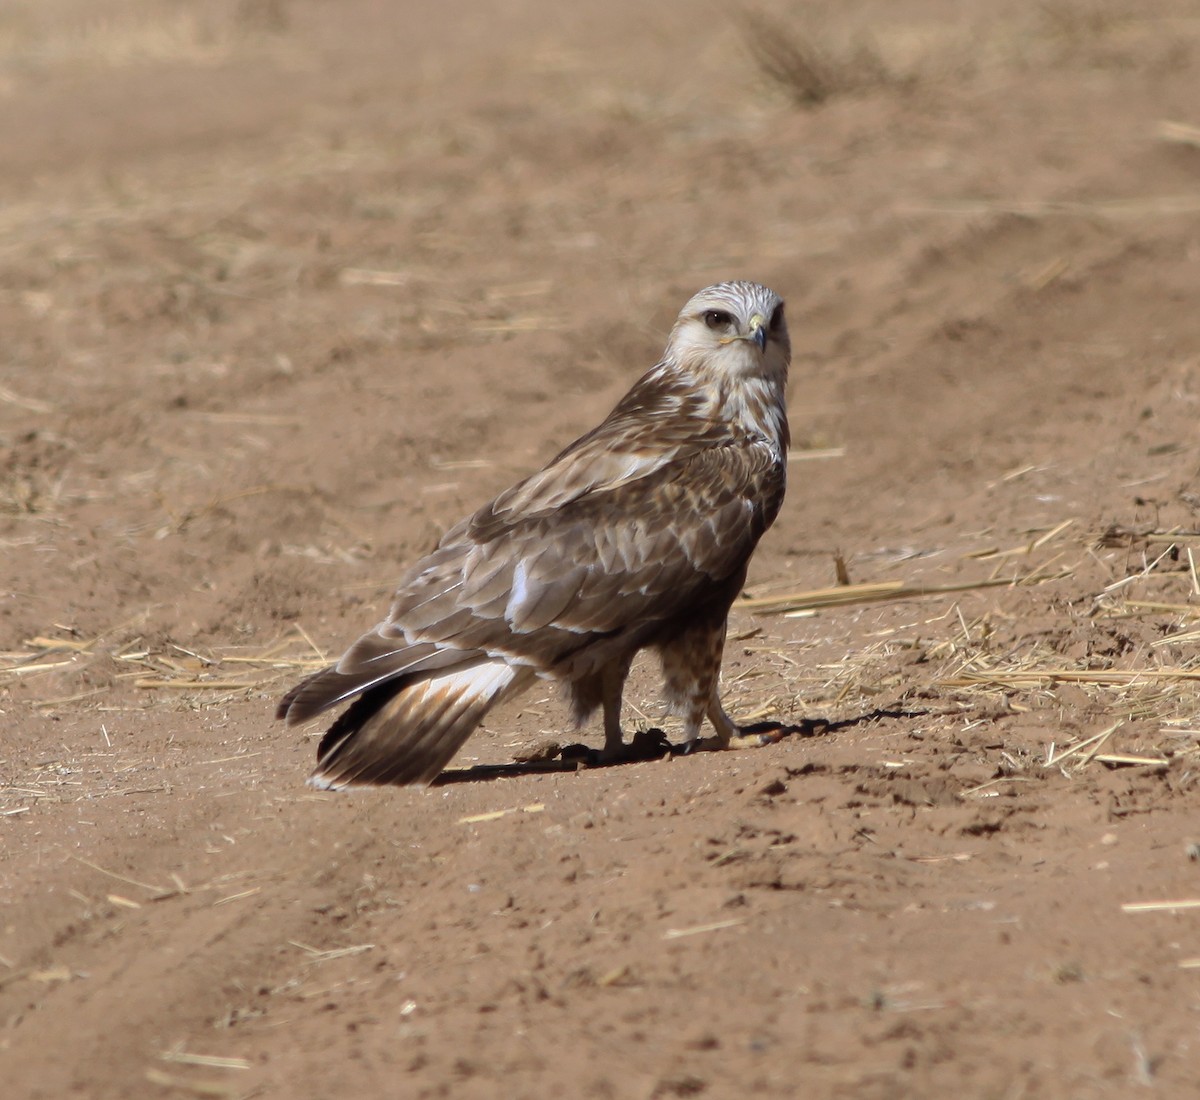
{"x":653,"y":744}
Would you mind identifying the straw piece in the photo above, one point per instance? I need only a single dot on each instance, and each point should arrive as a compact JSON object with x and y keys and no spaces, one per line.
{"x":23,"y":669}
{"x":315,"y":954}
{"x":816,"y":453}
{"x":1179,"y":133}
{"x":194,"y":685}
{"x":51,"y":974}
{"x":228,"y":759}
{"x":696,"y":930}
{"x":30,"y":404}
{"x":120,"y":878}
{"x":237,"y":897}
{"x":1114,"y":208}
{"x":59,"y":643}
{"x":1160,"y":906}
{"x":532,"y":288}
{"x":495,"y":815}
{"x":531,"y":323}
{"x":1130,"y":760}
{"x":363,"y":276}
{"x":880,"y":590}
{"x":263,"y":419}
{"x":63,"y":699}
{"x":184,"y":1058}
{"x":197,"y":1088}
{"x":124,"y":902}
{"x":1039,"y":677}
{"x":1051,"y":534}
{"x":970,"y":791}
{"x":1172,"y":639}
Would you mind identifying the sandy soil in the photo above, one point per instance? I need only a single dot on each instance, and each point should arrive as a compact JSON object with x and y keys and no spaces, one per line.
{"x":288,"y":286}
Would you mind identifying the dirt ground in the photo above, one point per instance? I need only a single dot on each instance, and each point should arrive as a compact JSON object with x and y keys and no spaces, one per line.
{"x":288,"y":286}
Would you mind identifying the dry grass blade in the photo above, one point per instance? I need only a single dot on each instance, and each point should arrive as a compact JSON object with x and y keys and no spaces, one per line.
{"x":196,"y":1088}
{"x":228,"y":759}
{"x":45,"y":666}
{"x":972,"y":792}
{"x":259,"y":420}
{"x":1188,"y":636}
{"x":238,"y":897}
{"x":185,"y":1058}
{"x":531,"y":323}
{"x":194,"y":685}
{"x":1179,"y":133}
{"x":29,"y":404}
{"x":1094,"y":742}
{"x":1160,"y":906}
{"x":698,"y":929}
{"x":824,"y":597}
{"x":843,"y":594}
{"x":1163,"y":206}
{"x":52,"y":644}
{"x":250,"y":671}
{"x":62,"y":700}
{"x":1025,"y":548}
{"x":1125,"y":759}
{"x":365,"y":276}
{"x":1043,"y":677}
{"x":315,"y":954}
{"x":1155,"y":607}
{"x":816,"y":453}
{"x":1050,"y":535}
{"x":120,"y":878}
{"x":495,"y":815}
{"x":173,"y":668}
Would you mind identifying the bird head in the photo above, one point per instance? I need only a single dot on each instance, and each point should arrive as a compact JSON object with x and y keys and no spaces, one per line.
{"x":735,"y":330}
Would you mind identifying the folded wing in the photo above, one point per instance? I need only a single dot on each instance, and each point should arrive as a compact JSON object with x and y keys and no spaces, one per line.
{"x":536,"y":586}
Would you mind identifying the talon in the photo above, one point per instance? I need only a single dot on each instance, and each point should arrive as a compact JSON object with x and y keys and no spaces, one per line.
{"x":737,"y":741}
{"x":708,"y":744}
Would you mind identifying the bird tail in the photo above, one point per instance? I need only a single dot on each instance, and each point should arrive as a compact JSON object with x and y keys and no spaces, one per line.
{"x":405,"y":731}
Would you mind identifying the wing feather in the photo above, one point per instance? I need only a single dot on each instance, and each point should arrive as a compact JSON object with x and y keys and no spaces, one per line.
{"x":613,"y":557}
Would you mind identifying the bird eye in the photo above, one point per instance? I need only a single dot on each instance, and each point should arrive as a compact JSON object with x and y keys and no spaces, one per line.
{"x":777,"y":318}
{"x":717,"y":318}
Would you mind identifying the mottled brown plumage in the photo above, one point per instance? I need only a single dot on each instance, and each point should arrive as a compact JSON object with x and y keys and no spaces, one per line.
{"x":636,"y":536}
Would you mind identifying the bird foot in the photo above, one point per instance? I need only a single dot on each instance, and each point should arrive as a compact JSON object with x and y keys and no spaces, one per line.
{"x":739,"y":741}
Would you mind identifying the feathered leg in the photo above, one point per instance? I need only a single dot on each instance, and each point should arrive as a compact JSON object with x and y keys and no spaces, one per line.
{"x":692,"y":670}
{"x":612,"y":688}
{"x":691,"y":667}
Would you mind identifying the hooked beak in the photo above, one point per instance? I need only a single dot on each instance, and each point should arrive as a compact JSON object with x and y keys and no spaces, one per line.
{"x":758,"y":331}
{"x":757,"y":334}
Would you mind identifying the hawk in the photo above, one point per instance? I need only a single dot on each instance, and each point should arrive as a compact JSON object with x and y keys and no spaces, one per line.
{"x":637,"y":536}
